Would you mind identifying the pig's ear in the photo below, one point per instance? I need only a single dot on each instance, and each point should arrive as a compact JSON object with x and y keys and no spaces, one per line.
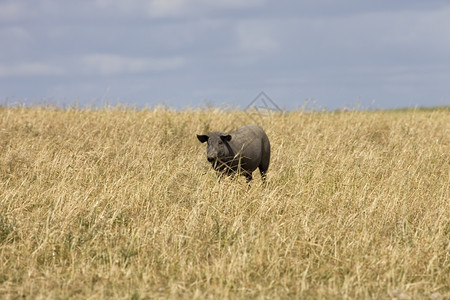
{"x":202,"y":137}
{"x":226,"y":138}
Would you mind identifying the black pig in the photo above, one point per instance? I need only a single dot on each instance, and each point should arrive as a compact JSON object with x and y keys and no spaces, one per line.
{"x":241,"y":151}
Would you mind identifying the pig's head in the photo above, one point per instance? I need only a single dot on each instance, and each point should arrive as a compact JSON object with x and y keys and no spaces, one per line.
{"x":218,"y":148}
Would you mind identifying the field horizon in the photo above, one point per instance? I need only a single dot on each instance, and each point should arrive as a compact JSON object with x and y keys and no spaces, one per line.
{"x":121,"y":203}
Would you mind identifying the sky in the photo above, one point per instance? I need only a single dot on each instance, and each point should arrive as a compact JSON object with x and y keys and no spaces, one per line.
{"x":194,"y":53}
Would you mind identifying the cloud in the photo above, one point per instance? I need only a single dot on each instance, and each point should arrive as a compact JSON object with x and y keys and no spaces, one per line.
{"x":296,"y":49}
{"x":257,"y":37}
{"x":16,"y":37}
{"x":11,"y":10}
{"x":172,"y":8}
{"x":111,"y":64}
{"x":255,"y":40}
{"x":182,"y":8}
{"x":30,"y":69}
{"x":341,"y":42}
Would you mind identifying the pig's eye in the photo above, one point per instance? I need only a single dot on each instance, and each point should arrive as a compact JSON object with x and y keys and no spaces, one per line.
{"x":220,"y":142}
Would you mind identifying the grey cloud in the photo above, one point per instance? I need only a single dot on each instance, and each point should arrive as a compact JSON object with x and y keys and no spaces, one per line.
{"x":334,"y":51}
{"x":111,"y":64}
{"x":29,"y":69}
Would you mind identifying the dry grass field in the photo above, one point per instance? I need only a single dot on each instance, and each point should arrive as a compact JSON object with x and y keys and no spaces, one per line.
{"x":121,"y":203}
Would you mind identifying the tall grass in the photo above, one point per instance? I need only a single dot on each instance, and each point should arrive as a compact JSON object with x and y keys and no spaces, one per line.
{"x":119,"y":203}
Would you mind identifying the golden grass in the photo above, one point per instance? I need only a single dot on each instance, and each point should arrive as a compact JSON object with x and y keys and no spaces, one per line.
{"x":119,"y":203}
